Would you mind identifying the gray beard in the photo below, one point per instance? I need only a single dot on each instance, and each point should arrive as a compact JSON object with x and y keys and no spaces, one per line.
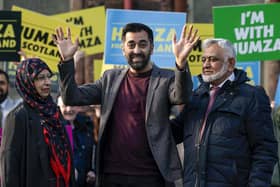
{"x":221,"y":73}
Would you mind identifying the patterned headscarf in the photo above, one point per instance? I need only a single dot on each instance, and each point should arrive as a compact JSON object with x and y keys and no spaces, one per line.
{"x":26,"y":73}
{"x":53,"y":131}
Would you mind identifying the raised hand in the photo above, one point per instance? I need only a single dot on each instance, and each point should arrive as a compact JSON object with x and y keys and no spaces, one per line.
{"x":65,"y":45}
{"x":184,"y":46}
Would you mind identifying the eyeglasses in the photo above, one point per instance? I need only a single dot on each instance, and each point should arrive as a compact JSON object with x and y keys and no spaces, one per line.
{"x":42,"y":78}
{"x":210,"y":59}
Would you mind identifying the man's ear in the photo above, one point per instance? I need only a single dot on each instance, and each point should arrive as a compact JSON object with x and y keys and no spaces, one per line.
{"x":152,"y":49}
{"x":122,"y":47}
{"x":231,"y":62}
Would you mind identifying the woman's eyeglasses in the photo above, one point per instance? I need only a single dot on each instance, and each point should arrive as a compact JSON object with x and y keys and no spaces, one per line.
{"x":42,"y":78}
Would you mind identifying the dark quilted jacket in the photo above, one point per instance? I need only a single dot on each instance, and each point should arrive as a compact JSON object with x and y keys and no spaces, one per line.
{"x":238,"y":147}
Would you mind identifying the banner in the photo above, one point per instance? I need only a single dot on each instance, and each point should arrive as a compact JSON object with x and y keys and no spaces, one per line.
{"x":163,"y":24}
{"x":36,"y":36}
{"x":10,"y":27}
{"x":92,"y":31}
{"x":253,"y":29}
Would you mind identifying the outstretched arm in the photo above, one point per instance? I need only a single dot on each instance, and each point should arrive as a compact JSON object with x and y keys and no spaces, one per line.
{"x":184,"y":45}
{"x":64,"y":44}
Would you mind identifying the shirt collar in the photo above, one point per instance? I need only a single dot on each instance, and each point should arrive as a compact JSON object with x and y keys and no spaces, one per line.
{"x":230,"y":78}
{"x":4,"y":103}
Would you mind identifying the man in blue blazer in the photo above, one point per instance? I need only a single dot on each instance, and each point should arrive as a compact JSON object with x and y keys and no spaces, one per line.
{"x":136,"y":147}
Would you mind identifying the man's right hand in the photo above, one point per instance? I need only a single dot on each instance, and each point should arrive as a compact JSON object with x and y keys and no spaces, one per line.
{"x":65,"y":45}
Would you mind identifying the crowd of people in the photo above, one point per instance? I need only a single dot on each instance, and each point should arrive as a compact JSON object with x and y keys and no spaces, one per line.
{"x":225,"y":124}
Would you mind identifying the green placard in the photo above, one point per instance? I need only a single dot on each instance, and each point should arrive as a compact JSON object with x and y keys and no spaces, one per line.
{"x":10,"y":28}
{"x":253,"y":29}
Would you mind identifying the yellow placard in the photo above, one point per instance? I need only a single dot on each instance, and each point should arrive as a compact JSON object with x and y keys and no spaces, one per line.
{"x":97,"y":69}
{"x":92,"y":22}
{"x":36,"y":36}
{"x":194,"y":59}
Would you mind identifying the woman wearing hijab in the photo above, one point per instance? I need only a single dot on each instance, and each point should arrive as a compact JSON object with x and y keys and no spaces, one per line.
{"x":35,"y":149}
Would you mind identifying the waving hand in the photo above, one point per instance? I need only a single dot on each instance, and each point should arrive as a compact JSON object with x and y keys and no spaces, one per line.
{"x":65,"y":45}
{"x":184,"y":45}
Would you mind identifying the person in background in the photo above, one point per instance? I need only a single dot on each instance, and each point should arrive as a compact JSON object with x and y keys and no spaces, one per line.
{"x":35,"y":149}
{"x":92,"y":111}
{"x":135,"y":144}
{"x":83,"y":142}
{"x":227,"y":127}
{"x":6,"y":102}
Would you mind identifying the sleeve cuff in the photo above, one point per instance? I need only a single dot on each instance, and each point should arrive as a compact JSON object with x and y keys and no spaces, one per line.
{"x":181,"y":69}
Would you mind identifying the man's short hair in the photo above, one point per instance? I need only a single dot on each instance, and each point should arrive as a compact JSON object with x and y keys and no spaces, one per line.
{"x":221,"y":42}
{"x":137,"y":27}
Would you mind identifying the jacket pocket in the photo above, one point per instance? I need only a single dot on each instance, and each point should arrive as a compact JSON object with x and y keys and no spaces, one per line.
{"x":228,"y":122}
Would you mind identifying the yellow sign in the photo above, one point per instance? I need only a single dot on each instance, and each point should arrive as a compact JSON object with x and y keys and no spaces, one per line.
{"x":92,"y":22}
{"x":36,"y":36}
{"x":97,"y":69}
{"x":194,"y":59}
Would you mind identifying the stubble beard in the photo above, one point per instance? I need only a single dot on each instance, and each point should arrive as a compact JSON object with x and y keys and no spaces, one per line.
{"x":139,"y":65}
{"x":3,"y":96}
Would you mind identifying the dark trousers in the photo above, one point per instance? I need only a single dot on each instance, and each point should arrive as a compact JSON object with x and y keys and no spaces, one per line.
{"x":132,"y":181}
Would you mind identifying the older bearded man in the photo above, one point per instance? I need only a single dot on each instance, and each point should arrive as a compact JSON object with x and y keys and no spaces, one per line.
{"x":228,"y":133}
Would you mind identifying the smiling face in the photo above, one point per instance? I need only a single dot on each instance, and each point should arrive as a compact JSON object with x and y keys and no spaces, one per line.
{"x":216,"y":65}
{"x":42,"y":83}
{"x":137,"y":49}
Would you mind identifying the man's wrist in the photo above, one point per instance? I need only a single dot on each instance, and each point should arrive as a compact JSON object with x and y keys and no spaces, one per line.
{"x":180,"y":68}
{"x":68,"y":58}
{"x":66,"y":61}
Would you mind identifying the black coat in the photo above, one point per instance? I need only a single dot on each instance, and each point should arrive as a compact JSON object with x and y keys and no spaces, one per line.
{"x":24,"y":155}
{"x":238,"y":148}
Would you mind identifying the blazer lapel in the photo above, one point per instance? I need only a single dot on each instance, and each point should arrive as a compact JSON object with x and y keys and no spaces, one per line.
{"x":154,"y":81}
{"x":115,"y":88}
{"x":116,"y":82}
